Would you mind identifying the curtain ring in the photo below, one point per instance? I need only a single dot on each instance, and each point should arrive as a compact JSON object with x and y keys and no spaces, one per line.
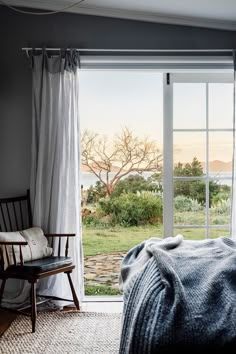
{"x":27,"y":53}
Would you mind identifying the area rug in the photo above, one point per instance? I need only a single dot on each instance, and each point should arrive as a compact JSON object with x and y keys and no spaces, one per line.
{"x":64,"y":332}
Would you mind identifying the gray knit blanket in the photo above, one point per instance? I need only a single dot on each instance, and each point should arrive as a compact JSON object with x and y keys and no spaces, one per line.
{"x":179,"y":294}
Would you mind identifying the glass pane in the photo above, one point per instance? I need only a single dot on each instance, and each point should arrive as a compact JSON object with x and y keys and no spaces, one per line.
{"x":191,"y":234}
{"x":189,"y":202}
{"x":220,"y":106}
{"x":214,"y":233}
{"x":189,"y":105}
{"x":220,"y":202}
{"x":220,"y":154}
{"x":112,"y":101}
{"x":189,"y":153}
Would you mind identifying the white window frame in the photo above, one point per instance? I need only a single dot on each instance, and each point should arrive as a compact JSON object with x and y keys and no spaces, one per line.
{"x":168,"y":131}
{"x":191,"y":68}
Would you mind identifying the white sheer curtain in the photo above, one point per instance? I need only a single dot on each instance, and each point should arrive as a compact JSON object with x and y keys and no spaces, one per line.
{"x":55,"y":185}
{"x":233,"y":208}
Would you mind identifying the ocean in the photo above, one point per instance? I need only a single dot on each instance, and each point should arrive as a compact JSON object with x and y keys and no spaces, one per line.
{"x":88,"y":179}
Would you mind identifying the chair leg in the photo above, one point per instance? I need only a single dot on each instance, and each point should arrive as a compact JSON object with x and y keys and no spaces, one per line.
{"x":76,"y":301}
{"x":33,"y":305}
{"x":2,"y":290}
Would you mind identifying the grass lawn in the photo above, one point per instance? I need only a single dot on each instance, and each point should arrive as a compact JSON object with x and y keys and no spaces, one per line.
{"x":100,"y":290}
{"x":107,"y":240}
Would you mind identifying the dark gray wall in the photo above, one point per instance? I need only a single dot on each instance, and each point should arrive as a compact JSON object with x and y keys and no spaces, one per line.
{"x":68,"y":30}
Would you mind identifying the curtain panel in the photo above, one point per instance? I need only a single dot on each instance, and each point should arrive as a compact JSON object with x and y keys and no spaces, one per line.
{"x":233,"y":202}
{"x":55,"y":179}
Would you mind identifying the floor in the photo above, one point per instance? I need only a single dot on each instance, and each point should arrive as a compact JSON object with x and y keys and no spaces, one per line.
{"x":7,"y":317}
{"x":112,"y":307}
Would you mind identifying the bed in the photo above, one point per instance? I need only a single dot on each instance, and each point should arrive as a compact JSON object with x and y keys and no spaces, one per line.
{"x":179,"y":294}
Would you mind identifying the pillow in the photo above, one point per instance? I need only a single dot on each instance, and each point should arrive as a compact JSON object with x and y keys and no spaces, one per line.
{"x":9,"y":237}
{"x":37,"y":245}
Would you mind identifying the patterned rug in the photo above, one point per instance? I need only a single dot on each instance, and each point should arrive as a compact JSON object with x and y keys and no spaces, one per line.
{"x":64,"y":332}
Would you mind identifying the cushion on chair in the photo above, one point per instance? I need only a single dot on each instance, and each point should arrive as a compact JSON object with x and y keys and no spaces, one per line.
{"x":37,"y":247}
{"x":41,"y":265}
{"x":37,"y":242}
{"x":13,"y":237}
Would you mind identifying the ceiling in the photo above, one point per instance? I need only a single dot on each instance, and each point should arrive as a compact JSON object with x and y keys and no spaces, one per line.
{"x":220,"y":14}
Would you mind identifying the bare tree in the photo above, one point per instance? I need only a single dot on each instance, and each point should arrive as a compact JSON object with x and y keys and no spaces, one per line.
{"x":127,"y":152}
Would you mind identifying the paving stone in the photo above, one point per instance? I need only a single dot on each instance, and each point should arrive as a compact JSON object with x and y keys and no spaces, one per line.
{"x":90,"y":276}
{"x":103,"y":269}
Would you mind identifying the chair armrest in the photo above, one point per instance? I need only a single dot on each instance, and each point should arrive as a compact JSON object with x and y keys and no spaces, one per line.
{"x":13,"y":243}
{"x":57,"y":248}
{"x":59,"y":235}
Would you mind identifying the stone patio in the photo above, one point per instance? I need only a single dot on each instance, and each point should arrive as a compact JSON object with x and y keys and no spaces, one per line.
{"x":103,"y":269}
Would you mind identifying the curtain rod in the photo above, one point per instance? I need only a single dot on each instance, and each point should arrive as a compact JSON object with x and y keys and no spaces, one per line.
{"x":139,"y":50}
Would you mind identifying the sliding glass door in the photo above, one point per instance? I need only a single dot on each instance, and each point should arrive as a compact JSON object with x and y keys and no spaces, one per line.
{"x":198,"y":147}
{"x":156,"y":152}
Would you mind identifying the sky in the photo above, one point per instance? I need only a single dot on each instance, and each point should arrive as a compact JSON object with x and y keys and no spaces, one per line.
{"x":110,"y":100}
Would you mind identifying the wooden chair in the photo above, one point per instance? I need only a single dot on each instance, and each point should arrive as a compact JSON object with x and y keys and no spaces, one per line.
{"x":15,"y":215}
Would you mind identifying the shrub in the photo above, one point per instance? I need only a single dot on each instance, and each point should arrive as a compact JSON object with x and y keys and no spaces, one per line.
{"x":94,"y":193}
{"x":132,"y":210}
{"x":221,"y":207}
{"x":135,"y":183}
{"x":183,"y":203}
{"x":219,"y":220}
{"x":93,"y":220}
{"x":223,"y":195}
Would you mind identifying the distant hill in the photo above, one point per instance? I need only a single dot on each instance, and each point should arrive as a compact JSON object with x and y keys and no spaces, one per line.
{"x":218,"y":166}
{"x":214,"y":166}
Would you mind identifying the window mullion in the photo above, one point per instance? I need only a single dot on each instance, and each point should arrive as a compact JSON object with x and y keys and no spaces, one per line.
{"x":168,"y":191}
